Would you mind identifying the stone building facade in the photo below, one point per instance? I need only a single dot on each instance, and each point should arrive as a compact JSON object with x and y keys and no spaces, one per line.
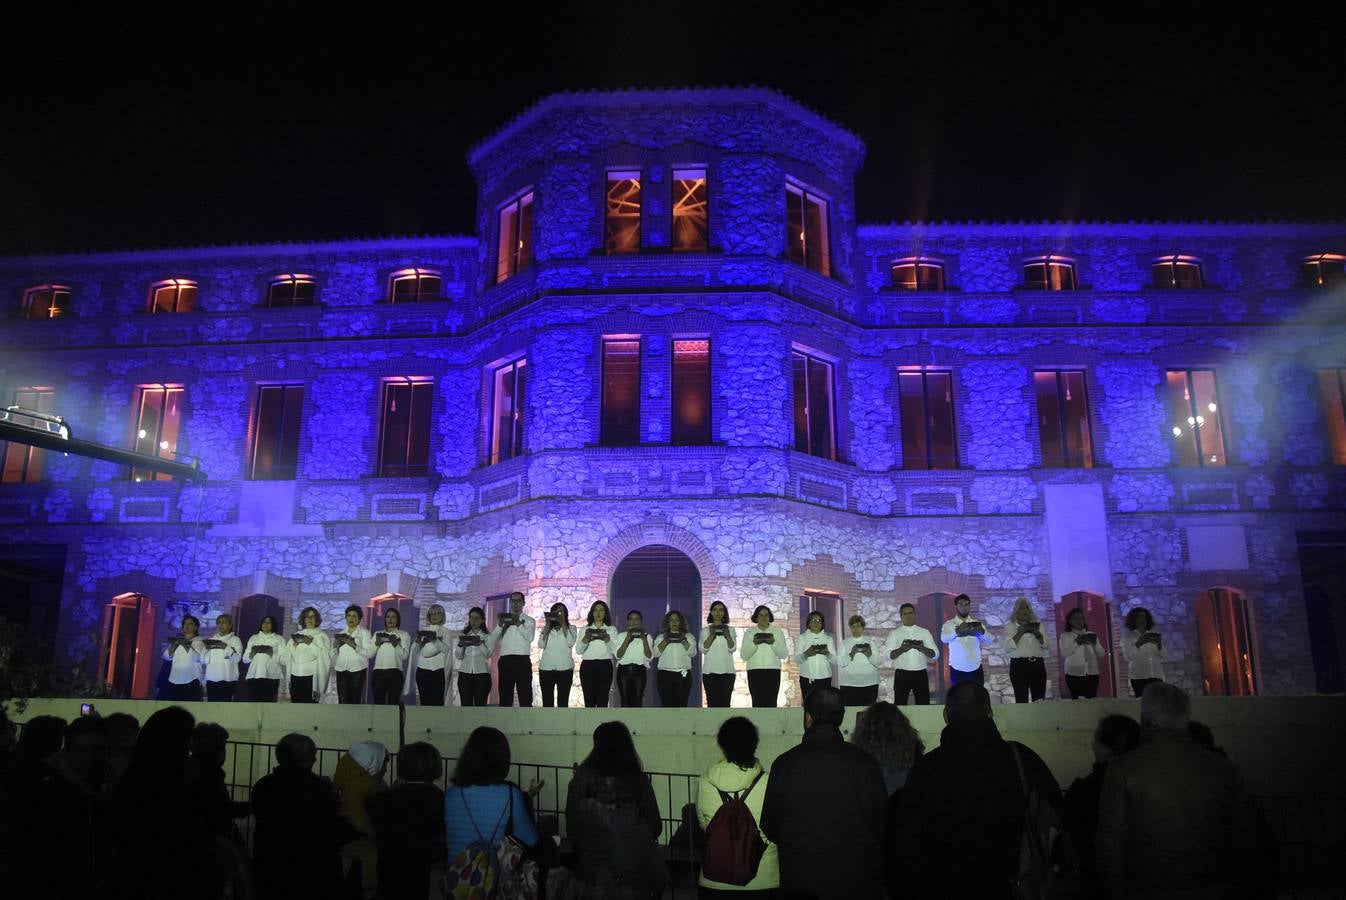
{"x":595,"y":263}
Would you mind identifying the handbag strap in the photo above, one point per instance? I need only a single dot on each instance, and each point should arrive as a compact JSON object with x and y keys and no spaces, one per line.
{"x":473,"y":822}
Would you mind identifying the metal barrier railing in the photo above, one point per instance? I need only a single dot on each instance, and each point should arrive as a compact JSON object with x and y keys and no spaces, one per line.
{"x":1310,"y":837}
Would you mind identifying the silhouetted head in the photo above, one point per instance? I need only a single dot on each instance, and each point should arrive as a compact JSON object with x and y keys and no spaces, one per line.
{"x":1165,"y":707}
{"x":737,"y":738}
{"x":484,"y":758}
{"x":823,"y":706}
{"x":966,"y":702}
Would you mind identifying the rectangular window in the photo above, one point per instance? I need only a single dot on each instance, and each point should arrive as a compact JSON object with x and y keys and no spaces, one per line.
{"x":23,"y":462}
{"x":691,"y":392}
{"x":621,"y":223}
{"x":1197,"y":426}
{"x":925,"y":401}
{"x":404,"y":433}
{"x":918,"y":275}
{"x":1332,"y":383}
{"x":1049,"y":275}
{"x":691,"y":221}
{"x":1176,"y":272}
{"x":49,"y":301}
{"x":815,"y":428}
{"x":514,"y":244}
{"x":1063,"y":420}
{"x":158,"y":426}
{"x":275,"y":432}
{"x":291,"y":290}
{"x":806,"y":229}
{"x":416,"y":286}
{"x":620,"y":425}
{"x":173,"y":296}
{"x":507,"y":411}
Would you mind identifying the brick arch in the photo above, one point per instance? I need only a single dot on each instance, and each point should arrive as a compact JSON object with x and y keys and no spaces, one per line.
{"x":644,"y":534}
{"x":906,"y":588}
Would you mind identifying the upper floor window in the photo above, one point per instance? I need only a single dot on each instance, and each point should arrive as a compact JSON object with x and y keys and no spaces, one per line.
{"x":621,"y":222}
{"x":1195,"y":408}
{"x":1332,"y":382}
{"x":46,"y":301}
{"x":291,"y":290}
{"x":173,"y":295}
{"x":414,"y":285}
{"x":507,"y":384}
{"x":918,"y":273}
{"x":514,"y":242}
{"x":814,"y":409}
{"x":620,"y":421}
{"x":806,"y":229}
{"x":158,"y":426}
{"x":1050,"y":273}
{"x":404,"y":429}
{"x":1181,"y":272}
{"x":691,"y":392}
{"x":23,"y":462}
{"x":1063,"y":420}
{"x":1323,"y":269}
{"x":274,"y":453}
{"x":691,"y":222}
{"x":925,"y":400}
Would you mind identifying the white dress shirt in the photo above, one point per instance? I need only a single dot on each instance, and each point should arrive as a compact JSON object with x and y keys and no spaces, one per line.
{"x":910,"y":660}
{"x":635,"y":651}
{"x":265,"y":665}
{"x":719,"y":658}
{"x":859,"y":670}
{"x":386,"y":656}
{"x":763,"y":656}
{"x":675,"y":657}
{"x":1026,"y":647}
{"x":597,"y":648}
{"x":310,"y":660}
{"x":1081,"y":659}
{"x":476,"y":659}
{"x":436,"y":653}
{"x":964,"y":652}
{"x":353,"y":659}
{"x":556,"y":647}
{"x":819,"y":665}
{"x":186,"y":666}
{"x":222,"y":664}
{"x":517,"y":640}
{"x":1145,"y":661}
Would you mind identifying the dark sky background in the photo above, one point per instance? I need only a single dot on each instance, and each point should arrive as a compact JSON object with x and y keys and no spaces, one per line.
{"x":243,"y":127}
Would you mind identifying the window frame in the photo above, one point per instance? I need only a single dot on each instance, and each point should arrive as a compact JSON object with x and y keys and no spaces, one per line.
{"x":419,"y":274}
{"x":519,"y":366}
{"x":613,"y":218}
{"x":809,"y":194}
{"x":916,"y":264}
{"x":30,"y":461}
{"x":520,"y":257}
{"x":54,"y":310}
{"x":697,"y":440}
{"x":1195,"y":419}
{"x":1086,"y":459}
{"x":680,"y":174}
{"x":1334,"y":415}
{"x":1050,"y":262}
{"x":139,"y":433}
{"x":1315,"y":262}
{"x":381,"y":464}
{"x":931,"y":460}
{"x":293,"y":281}
{"x":605,"y":439}
{"x":812,"y":357}
{"x":179,"y":285}
{"x":1173,"y":262}
{"x":255,"y":437}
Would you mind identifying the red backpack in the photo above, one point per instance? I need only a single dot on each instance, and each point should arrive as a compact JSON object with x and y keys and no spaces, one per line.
{"x":734,"y":847}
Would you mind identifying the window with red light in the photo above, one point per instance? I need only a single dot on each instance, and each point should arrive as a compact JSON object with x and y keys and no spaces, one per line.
{"x":1323,"y":270}
{"x":814,"y":393}
{"x":1063,"y":420}
{"x":404,"y":429}
{"x":1332,"y":384}
{"x":918,"y":274}
{"x":23,"y":462}
{"x":46,"y":301}
{"x":620,"y":421}
{"x":1177,"y":272}
{"x":415,"y":286}
{"x":1194,"y":406}
{"x":806,"y":229}
{"x":691,"y":392}
{"x":925,"y":401}
{"x":1224,"y":633}
{"x":291,"y":290}
{"x":514,"y":237}
{"x":1050,"y":273}
{"x":174,"y":295}
{"x":621,"y":222}
{"x":158,"y":426}
{"x":507,"y":420}
{"x":691,"y":222}
{"x":274,"y":453}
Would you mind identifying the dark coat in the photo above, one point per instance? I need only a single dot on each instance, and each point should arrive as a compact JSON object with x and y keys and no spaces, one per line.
{"x":824,"y":808}
{"x":592,"y":813}
{"x":408,"y":822}
{"x":298,"y":833}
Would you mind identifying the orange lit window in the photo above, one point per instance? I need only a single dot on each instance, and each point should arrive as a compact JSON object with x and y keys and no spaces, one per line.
{"x":925,"y":405}
{"x":514,"y":237}
{"x":1050,"y":273}
{"x":691,"y":229}
{"x":46,"y":301}
{"x":1198,"y":427}
{"x":404,"y":433}
{"x":621,"y":223}
{"x":291,"y":290}
{"x":415,"y":285}
{"x":619,"y":423}
{"x":1063,"y":420}
{"x":174,"y":295}
{"x":1179,"y":272}
{"x":918,"y":274}
{"x":691,"y":392}
{"x":1225,"y":637}
{"x":23,"y":462}
{"x":806,"y":229}
{"x":1323,"y":270}
{"x":507,"y":383}
{"x":1332,"y":383}
{"x":158,"y":426}
{"x":275,"y":432}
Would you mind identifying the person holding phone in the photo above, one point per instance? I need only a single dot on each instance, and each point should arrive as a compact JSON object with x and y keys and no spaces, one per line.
{"x":308,"y":659}
{"x":392,"y":649}
{"x":1081,"y":650}
{"x":556,"y":669}
{"x":431,"y":655}
{"x":184,"y":652}
{"x":352,"y":649}
{"x":597,"y":647}
{"x":1025,"y":645}
{"x":910,"y":649}
{"x":718,"y":643}
{"x":1143,"y":650}
{"x":265,"y":656}
{"x":965,"y":636}
{"x":814,"y":652}
{"x":674,"y":648}
{"x":634,"y":653}
{"x":514,"y":636}
{"x":859,"y":661}
{"x":763,"y":649}
{"x":222,"y":653}
{"x":472,"y":651}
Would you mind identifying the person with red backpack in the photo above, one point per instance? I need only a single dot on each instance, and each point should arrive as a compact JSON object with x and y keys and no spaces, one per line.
{"x":738,"y":862}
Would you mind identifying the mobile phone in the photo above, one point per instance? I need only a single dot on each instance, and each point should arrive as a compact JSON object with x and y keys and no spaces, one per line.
{"x":86,"y":709}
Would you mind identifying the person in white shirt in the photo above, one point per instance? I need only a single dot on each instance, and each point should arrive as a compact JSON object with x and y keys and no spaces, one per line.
{"x":514,"y":636}
{"x":431,"y":652}
{"x":965,"y":636}
{"x":556,"y":668}
{"x":392,"y":648}
{"x":1080,"y":650}
{"x":859,"y":660}
{"x":597,"y":646}
{"x":633,"y":661}
{"x":910,"y":648}
{"x":762,"y":649}
{"x":718,"y":643}
{"x":265,"y":656}
{"x":1143,"y":650}
{"x":308,"y":659}
{"x":674,"y":647}
{"x":352,"y":649}
{"x":472,"y":650}
{"x":184,"y":653}
{"x":814,"y":652}
{"x":1024,"y":643}
{"x":221,"y":655}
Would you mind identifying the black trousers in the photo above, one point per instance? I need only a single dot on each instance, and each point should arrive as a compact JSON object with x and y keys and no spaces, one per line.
{"x":301,"y":689}
{"x":808,"y":684}
{"x":1028,"y":677}
{"x":911,"y":683}
{"x":262,"y":690}
{"x":719,"y":689}
{"x":631,"y":682}
{"x":387,"y":686}
{"x":1082,"y":686}
{"x":182,"y":693}
{"x":221,"y":691}
{"x":1138,"y":685}
{"x":430,"y":686}
{"x":596,"y":682}
{"x":351,"y":686}
{"x":556,"y":683}
{"x":674,"y":689}
{"x":473,"y":689}
{"x":859,"y":696}
{"x":958,"y":676}
{"x":516,"y":674}
{"x":764,"y":686}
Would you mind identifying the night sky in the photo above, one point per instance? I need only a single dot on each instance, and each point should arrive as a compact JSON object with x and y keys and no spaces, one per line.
{"x":239,"y":128}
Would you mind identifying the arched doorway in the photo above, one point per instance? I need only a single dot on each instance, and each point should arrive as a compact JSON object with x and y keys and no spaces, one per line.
{"x":654,"y":579}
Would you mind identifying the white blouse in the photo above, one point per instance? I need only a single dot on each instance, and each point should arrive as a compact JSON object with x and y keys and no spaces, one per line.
{"x":1027,"y":647}
{"x":1145,"y":661}
{"x":262,"y":664}
{"x":820,"y":664}
{"x":186,"y":666}
{"x":556,"y":644}
{"x":474,"y":659}
{"x":763,"y":656}
{"x":718,"y":659}
{"x":1081,"y":659}
{"x":353,"y":659}
{"x":303,"y":660}
{"x":675,"y":657}
{"x":388,"y":656}
{"x":860,"y":670}
{"x":597,"y":648}
{"x":635,"y":651}
{"x":222,"y":663}
{"x":434,"y":654}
